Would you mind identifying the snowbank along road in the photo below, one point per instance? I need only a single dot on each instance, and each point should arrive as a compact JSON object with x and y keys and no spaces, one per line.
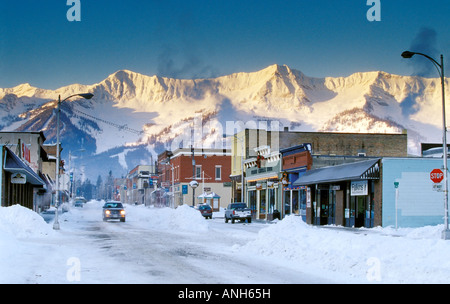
{"x":180,"y":246}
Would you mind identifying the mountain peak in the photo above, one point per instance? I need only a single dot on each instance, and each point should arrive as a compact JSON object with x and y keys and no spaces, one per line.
{"x":121,"y":75}
{"x":24,"y":89}
{"x":165,"y":107}
{"x":276,"y":69}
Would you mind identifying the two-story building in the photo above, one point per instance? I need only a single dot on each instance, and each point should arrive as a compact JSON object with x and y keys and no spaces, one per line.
{"x":23,"y":180}
{"x":262,"y":183}
{"x":211,"y":169}
{"x":139,"y":185}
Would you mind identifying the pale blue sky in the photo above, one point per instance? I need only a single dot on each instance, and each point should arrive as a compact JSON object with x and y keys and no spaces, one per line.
{"x":208,"y":38}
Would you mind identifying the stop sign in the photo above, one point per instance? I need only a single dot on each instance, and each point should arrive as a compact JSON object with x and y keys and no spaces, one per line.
{"x":437,"y":176}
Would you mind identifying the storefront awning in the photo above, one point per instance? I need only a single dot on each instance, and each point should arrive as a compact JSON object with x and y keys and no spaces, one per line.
{"x":364,"y":170}
{"x":14,"y":164}
{"x":261,"y":177}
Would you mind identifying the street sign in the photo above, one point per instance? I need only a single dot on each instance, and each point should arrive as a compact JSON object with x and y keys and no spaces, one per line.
{"x":184,"y":189}
{"x":437,"y":176}
{"x":438,"y":188}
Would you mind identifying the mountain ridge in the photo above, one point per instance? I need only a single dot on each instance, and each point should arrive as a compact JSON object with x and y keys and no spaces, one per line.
{"x":159,"y":110}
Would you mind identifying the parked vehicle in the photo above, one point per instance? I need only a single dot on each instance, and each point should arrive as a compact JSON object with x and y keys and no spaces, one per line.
{"x":79,"y":202}
{"x":113,"y":210}
{"x":238,"y":211}
{"x":206,"y":211}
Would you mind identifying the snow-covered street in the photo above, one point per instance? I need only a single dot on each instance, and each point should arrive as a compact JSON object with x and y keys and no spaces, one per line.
{"x":179,"y":246}
{"x":153,"y":246}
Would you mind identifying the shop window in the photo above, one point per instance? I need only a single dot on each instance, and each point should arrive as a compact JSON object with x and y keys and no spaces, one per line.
{"x":198,"y":171}
{"x":218,"y":172}
{"x":252,"y":201}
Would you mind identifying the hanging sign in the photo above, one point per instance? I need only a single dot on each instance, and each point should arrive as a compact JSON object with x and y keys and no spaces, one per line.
{"x":18,"y":178}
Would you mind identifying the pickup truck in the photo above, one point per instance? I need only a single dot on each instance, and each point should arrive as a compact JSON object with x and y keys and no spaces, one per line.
{"x":238,"y":211}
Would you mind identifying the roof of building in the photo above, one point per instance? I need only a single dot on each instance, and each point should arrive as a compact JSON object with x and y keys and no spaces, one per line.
{"x":14,"y":164}
{"x":363,"y":170}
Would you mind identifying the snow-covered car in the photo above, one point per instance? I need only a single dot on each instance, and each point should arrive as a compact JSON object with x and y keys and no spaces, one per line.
{"x":238,"y":211}
{"x":113,"y":210}
{"x":206,"y":211}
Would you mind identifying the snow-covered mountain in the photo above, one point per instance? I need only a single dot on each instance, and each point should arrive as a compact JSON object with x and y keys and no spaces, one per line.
{"x":132,"y":117}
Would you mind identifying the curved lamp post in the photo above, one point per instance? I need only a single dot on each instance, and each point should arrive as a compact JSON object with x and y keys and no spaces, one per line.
{"x":58,"y":156}
{"x":440,"y":68}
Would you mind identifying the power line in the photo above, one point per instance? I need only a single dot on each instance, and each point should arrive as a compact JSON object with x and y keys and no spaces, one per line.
{"x":120,"y":127}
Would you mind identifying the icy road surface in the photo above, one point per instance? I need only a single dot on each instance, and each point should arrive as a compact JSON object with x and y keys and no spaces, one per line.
{"x":139,"y":252}
{"x":180,"y":246}
{"x":152,"y":246}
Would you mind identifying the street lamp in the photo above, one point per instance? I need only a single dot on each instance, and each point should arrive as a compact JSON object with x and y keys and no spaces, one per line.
{"x":440,"y":68}
{"x":58,"y":156}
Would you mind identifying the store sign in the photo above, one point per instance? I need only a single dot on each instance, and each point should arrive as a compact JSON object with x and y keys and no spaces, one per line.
{"x":18,"y":178}
{"x":359,"y":188}
{"x":26,"y":154}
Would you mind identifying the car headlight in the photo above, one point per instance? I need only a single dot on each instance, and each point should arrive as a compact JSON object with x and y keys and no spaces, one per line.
{"x":122,"y":212}
{"x":107,"y":212}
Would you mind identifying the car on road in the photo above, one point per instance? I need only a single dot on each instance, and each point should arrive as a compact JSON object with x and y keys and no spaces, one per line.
{"x":113,"y":210}
{"x":206,"y":211}
{"x":238,"y":211}
{"x":79,"y":202}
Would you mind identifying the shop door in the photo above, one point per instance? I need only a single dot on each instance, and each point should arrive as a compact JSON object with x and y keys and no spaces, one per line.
{"x":339,"y":208}
{"x":332,"y":208}
{"x":369,"y":213}
{"x":252,"y":202}
{"x":324,"y":205}
{"x":360,"y":211}
{"x":262,"y":204}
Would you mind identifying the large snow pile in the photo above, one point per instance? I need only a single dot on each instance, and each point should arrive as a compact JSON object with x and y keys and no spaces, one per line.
{"x":22,"y":222}
{"x":379,"y":255}
{"x":182,"y":218}
{"x":17,"y":259}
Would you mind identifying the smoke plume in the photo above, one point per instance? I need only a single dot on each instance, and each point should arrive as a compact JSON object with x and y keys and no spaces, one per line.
{"x":425,"y":42}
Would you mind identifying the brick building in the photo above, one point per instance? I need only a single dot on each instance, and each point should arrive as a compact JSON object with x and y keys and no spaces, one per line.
{"x":347,"y":195}
{"x":295,"y":162}
{"x":211,"y":168}
{"x":327,"y":148}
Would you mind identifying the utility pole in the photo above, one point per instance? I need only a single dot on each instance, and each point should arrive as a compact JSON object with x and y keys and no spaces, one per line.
{"x":193,"y":174}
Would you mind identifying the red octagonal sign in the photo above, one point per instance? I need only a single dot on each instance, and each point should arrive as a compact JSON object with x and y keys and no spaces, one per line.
{"x":437,"y":176}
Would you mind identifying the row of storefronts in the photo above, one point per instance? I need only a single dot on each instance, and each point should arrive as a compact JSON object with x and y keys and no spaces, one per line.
{"x":279,"y":183}
{"x":364,"y":193}
{"x":26,"y":171}
{"x":346,"y":190}
{"x":343,"y":195}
